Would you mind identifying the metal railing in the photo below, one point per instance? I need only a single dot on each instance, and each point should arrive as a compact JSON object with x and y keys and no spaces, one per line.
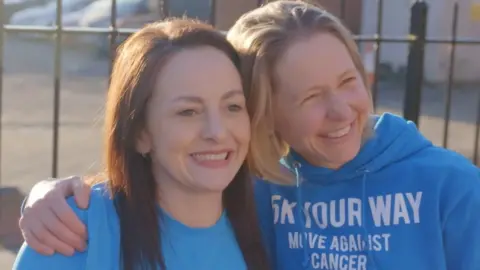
{"x":417,"y":40}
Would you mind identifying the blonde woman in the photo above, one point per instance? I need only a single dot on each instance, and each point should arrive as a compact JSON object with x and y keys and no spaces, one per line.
{"x":368,"y":191}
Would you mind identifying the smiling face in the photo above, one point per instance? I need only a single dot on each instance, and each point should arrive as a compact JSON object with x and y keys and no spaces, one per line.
{"x":321,"y":103}
{"x":197,"y":130}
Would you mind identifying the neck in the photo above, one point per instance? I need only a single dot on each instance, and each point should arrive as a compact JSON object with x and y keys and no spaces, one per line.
{"x":318,"y":162}
{"x":328,"y":165}
{"x":332,"y":166}
{"x":190,"y":207}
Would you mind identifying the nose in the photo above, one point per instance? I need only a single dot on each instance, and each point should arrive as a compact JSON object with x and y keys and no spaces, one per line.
{"x":215,"y":128}
{"x":338,"y":108}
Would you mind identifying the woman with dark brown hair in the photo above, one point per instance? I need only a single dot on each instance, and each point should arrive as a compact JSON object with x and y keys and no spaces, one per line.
{"x":177,"y":193}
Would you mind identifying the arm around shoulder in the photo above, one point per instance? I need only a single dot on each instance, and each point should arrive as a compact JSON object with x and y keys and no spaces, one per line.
{"x":29,"y":259}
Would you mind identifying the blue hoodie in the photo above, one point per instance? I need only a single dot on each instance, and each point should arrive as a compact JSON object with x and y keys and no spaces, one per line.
{"x":401,"y":204}
{"x":213,"y":248}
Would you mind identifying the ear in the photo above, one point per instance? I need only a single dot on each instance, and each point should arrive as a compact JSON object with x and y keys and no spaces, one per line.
{"x":144,"y":143}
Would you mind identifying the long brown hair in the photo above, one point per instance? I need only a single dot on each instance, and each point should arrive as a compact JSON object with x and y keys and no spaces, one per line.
{"x":131,"y":181}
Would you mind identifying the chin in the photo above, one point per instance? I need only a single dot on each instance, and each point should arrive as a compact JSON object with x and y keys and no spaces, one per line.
{"x":216,"y":188}
{"x":349,"y":154}
{"x":213,"y":182}
{"x":342,"y":155}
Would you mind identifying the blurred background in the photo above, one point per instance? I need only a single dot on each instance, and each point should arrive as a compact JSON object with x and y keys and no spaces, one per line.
{"x":423,"y":59}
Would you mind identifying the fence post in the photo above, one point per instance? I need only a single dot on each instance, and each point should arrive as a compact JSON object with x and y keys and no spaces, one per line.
{"x":415,"y":64}
{"x":165,"y":8}
{"x":213,"y":12}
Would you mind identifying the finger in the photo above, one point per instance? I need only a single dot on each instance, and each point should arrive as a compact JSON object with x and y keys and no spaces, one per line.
{"x":66,"y":185}
{"x":67,"y":216}
{"x":62,"y":232}
{"x":35,"y":244}
{"x":46,"y":237}
{"x":81,"y":193}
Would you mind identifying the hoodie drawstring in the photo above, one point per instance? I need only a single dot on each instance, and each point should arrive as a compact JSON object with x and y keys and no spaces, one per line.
{"x":370,"y":256}
{"x":300,"y":213}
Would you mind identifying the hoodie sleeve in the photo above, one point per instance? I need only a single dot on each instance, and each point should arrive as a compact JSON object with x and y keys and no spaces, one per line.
{"x":265,"y":217}
{"x":29,"y":259}
{"x":461,"y":228}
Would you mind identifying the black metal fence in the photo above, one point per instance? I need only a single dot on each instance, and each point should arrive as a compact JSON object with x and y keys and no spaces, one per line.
{"x":414,"y":81}
{"x":416,"y":40}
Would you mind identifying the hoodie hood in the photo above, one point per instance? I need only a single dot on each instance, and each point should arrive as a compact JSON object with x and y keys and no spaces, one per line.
{"x":393,"y":139}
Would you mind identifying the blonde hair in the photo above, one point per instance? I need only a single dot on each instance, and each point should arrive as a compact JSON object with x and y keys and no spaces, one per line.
{"x":261,"y":36}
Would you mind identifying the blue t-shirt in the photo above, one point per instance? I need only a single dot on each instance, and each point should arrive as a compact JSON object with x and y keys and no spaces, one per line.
{"x":401,"y":204}
{"x":213,"y":248}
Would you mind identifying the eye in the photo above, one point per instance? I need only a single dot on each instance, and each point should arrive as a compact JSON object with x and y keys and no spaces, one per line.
{"x":349,"y":80}
{"x":235,"y":108}
{"x":188,"y":112}
{"x":310,"y":97}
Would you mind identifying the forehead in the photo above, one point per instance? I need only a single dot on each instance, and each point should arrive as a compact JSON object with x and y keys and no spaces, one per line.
{"x":203,"y":72}
{"x":319,"y":59}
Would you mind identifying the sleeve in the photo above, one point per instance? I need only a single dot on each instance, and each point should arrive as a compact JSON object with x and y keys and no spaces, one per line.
{"x":29,"y":259}
{"x":265,"y":218}
{"x":461,"y":229}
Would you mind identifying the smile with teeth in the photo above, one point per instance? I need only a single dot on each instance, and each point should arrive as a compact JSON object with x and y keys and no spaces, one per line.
{"x":212,"y":157}
{"x":339,"y":133}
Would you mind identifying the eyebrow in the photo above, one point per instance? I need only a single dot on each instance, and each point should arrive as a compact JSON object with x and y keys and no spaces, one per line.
{"x":347,"y":72}
{"x":324,"y":86}
{"x":197,"y":99}
{"x":232,"y":93}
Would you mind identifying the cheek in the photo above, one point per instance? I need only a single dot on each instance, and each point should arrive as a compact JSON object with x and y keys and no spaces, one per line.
{"x":171,"y":139}
{"x":361,"y":99}
{"x":240,"y":128}
{"x":171,"y":147}
{"x":357,"y":99}
{"x":362,"y":104}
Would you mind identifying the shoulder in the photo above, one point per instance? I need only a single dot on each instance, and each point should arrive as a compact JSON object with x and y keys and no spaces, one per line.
{"x":456,"y":177}
{"x":100,"y":203}
{"x":29,"y":259}
{"x":447,"y":163}
{"x":100,"y":195}
{"x":98,"y":218}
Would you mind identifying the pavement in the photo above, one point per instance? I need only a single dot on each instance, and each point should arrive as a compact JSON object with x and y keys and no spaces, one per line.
{"x":26,"y":149}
